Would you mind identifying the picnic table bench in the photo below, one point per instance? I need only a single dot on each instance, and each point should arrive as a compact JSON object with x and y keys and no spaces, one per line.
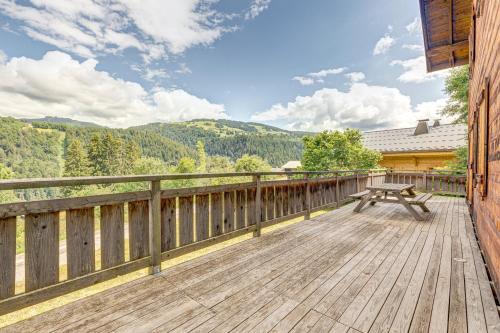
{"x":393,"y":193}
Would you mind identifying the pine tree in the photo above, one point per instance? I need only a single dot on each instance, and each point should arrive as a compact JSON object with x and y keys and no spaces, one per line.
{"x":130,"y":155}
{"x":76,"y":163}
{"x":95,"y":156}
{"x":202,"y":157}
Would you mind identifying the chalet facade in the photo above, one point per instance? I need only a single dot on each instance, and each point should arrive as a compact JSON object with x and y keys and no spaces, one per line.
{"x":422,"y":148}
{"x":461,"y":32}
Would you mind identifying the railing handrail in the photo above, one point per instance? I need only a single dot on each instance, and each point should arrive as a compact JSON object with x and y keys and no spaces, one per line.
{"x":31,"y":183}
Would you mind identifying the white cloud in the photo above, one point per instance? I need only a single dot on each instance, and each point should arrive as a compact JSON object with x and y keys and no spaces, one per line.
{"x":256,"y":8}
{"x":415,"y":71}
{"x":183,"y":69}
{"x":355,"y":76}
{"x":91,"y":28}
{"x":432,"y":110}
{"x":363,"y":106}
{"x":383,"y":45}
{"x":58,"y":85}
{"x":326,"y":72}
{"x":153,"y":74}
{"x":3,"y":57}
{"x":414,"y":47}
{"x":305,"y":81}
{"x":414,"y":27}
{"x":318,"y":77}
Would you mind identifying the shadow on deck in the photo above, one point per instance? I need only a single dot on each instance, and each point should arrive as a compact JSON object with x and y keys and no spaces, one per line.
{"x":375,"y":271}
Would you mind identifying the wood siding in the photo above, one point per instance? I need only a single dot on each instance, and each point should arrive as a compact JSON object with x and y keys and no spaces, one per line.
{"x":486,"y":65}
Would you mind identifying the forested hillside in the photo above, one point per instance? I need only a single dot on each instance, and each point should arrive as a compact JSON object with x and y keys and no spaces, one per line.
{"x":38,"y":147}
{"x":235,"y":139}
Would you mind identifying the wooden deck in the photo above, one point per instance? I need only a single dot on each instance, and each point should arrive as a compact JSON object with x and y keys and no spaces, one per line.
{"x":376,"y":271}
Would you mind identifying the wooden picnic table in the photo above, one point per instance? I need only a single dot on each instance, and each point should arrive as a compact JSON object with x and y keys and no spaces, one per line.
{"x":393,"y":193}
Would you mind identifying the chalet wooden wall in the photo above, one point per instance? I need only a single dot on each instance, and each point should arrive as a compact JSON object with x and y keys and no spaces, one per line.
{"x":486,"y":64}
{"x":416,"y":162}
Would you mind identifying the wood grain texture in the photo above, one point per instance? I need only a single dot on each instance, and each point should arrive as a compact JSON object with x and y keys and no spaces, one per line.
{"x":186,"y":220}
{"x":240,"y":221}
{"x":375,"y":271}
{"x":112,"y":236}
{"x":7,"y":257}
{"x":251,"y":194}
{"x":270,"y":203}
{"x":279,"y":201}
{"x":42,"y":250}
{"x":80,"y":226}
{"x":202,"y":217}
{"x":216,"y":214}
{"x":168,"y":224}
{"x":229,"y":211}
{"x":138,"y":226}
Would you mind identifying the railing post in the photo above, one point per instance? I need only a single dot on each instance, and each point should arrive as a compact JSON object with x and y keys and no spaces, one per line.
{"x":308,"y":198}
{"x":424,"y":181}
{"x":357,"y":181}
{"x":337,"y":189}
{"x":155,"y":227}
{"x":258,"y":195}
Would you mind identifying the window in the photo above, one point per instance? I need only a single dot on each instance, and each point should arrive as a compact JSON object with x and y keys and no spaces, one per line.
{"x":481,"y":142}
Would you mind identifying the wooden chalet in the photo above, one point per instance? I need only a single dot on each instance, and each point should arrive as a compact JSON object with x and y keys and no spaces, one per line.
{"x":459,"y":32}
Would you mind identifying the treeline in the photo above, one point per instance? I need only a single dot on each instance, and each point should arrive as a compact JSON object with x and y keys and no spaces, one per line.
{"x":30,"y":153}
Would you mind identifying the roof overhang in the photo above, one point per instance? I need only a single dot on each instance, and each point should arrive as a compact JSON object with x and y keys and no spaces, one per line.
{"x":446,"y":25}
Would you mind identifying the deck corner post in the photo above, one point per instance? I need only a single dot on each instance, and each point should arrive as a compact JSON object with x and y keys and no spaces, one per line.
{"x":155,"y":227}
{"x":258,"y":224}
{"x":337,"y":189}
{"x":308,"y":197}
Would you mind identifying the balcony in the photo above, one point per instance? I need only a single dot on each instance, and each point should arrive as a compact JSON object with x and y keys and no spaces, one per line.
{"x":378,"y":270}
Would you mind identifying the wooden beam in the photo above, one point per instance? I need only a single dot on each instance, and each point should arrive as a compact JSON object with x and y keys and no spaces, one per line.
{"x":450,"y":13}
{"x":446,"y":49}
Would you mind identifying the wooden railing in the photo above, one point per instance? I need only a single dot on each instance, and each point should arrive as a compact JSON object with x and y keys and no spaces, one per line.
{"x":161,"y":224}
{"x":443,"y":182}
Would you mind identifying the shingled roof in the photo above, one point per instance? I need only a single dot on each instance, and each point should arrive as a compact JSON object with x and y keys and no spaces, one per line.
{"x":402,"y":140}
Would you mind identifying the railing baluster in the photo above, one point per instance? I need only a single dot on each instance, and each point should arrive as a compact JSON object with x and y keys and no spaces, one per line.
{"x":258,"y":194}
{"x":155,"y":227}
{"x":308,"y":198}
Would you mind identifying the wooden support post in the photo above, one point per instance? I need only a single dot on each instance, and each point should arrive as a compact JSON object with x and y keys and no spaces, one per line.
{"x":258,"y":195}
{"x":424,"y":181}
{"x":308,"y":198}
{"x":337,"y":189}
{"x":155,"y":227}
{"x":357,"y":182}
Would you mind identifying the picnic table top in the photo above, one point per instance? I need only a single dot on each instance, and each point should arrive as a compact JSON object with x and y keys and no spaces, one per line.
{"x":391,"y":187}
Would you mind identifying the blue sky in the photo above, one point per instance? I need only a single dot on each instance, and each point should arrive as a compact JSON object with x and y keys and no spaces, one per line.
{"x":305,"y":65}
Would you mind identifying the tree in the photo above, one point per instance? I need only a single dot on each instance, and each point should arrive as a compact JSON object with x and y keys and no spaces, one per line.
{"x":95,"y":155}
{"x":76,"y":163}
{"x":130,"y":155}
{"x":251,"y":163}
{"x":143,"y":166}
{"x":336,"y":150}
{"x":185,"y":165}
{"x":219,"y":164}
{"x":460,"y":162}
{"x":6,"y":196}
{"x":202,"y":157}
{"x":457,"y":88}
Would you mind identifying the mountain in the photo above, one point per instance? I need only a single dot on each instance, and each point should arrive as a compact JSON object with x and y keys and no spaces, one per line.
{"x":59,"y":120}
{"x":234,"y":138}
{"x":36,"y":148}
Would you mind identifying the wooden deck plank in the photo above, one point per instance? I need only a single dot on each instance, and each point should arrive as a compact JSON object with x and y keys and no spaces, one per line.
{"x":340,"y":272}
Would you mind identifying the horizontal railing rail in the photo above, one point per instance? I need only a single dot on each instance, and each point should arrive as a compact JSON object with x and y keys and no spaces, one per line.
{"x":160,"y":224}
{"x":438,"y":181}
